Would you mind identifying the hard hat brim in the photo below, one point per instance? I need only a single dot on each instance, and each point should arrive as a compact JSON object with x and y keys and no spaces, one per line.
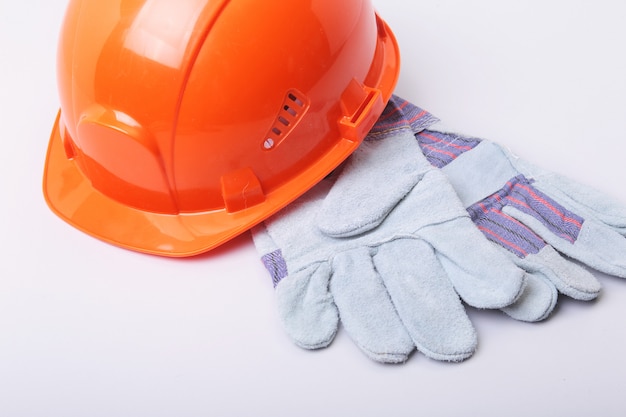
{"x":72,"y":197}
{"x":70,"y":194}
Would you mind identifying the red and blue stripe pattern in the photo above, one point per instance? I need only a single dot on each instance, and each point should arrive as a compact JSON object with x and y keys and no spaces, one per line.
{"x":511,"y":234}
{"x":439,"y":148}
{"x":400,"y":114}
{"x":442,"y":148}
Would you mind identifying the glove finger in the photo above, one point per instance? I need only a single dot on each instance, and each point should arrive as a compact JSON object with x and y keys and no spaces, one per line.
{"x":547,"y":271}
{"x":568,"y":278}
{"x":592,"y":243}
{"x":536,"y":302}
{"x":306,"y":307}
{"x":391,"y":167}
{"x":366,"y":310}
{"x":425,"y":300}
{"x":483,"y":276}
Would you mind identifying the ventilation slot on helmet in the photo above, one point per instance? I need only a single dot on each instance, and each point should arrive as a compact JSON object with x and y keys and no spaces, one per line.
{"x":293,"y":108}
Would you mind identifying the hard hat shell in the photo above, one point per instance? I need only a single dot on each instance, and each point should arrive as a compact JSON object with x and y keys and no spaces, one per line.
{"x":184,"y":123}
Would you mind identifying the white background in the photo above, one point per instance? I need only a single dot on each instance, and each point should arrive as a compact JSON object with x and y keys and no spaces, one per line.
{"x":87,"y":329}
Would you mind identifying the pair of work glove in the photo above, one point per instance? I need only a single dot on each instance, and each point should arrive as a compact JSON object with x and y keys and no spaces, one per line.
{"x":419,"y":221}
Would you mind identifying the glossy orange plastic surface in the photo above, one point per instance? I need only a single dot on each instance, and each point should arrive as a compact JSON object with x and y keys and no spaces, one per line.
{"x":184,"y":123}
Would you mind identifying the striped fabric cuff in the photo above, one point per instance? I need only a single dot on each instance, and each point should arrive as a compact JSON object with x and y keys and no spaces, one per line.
{"x":439,"y":148}
{"x":504,"y":230}
{"x":399,"y":115}
{"x":275,"y":265}
{"x":442,"y":148}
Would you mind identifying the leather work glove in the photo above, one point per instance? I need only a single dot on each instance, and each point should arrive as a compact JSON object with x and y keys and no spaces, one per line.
{"x":386,"y":247}
{"x":540,"y":219}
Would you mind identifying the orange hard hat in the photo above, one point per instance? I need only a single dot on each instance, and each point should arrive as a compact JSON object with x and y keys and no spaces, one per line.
{"x":184,"y":123}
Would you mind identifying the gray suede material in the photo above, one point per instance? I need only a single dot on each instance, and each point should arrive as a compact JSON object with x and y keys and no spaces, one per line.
{"x":567,"y":277}
{"x":601,"y":243}
{"x":537,"y":302}
{"x":379,"y":237}
{"x":309,"y":309}
{"x":597,"y":246}
{"x":479,"y":173}
{"x":380,"y":177}
{"x":431,"y":310}
{"x":357,"y":283}
{"x":388,"y":250}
